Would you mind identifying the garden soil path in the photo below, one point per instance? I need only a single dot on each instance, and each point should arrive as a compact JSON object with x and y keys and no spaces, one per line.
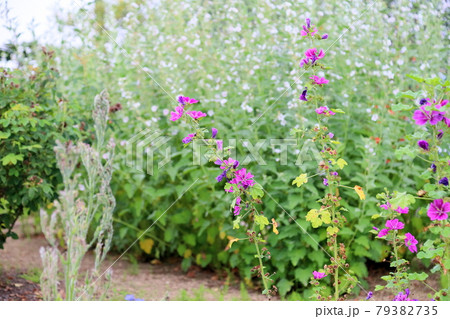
{"x":163,"y":281}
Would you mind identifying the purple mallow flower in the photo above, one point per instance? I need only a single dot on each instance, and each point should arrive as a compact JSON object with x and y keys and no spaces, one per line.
{"x":369,"y":295}
{"x":221,"y":176}
{"x":214,"y":132}
{"x":132,"y":298}
{"x":186,"y":100}
{"x":196,"y":114}
{"x":422,"y":116}
{"x":386,"y":206}
{"x":443,"y":181}
{"x":325,"y":36}
{"x":423,"y":145}
{"x":394,"y":224}
{"x":403,"y":296}
{"x":325,"y":182}
{"x":438,"y":210}
{"x":188,"y":139}
{"x":303,"y":95}
{"x":433,"y":167}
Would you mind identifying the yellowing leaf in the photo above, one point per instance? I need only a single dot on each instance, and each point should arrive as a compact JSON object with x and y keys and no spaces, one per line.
{"x":275,"y":225}
{"x":312,"y":214}
{"x":187,"y":253}
{"x":341,"y":163}
{"x":231,"y":240}
{"x":300,"y":180}
{"x":222,"y":235}
{"x":313,"y":217}
{"x":146,"y":245}
{"x":332,"y":230}
{"x":261,"y":221}
{"x":360,"y":192}
{"x":326,"y":217}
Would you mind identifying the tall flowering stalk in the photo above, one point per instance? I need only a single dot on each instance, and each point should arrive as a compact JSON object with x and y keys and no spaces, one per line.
{"x":331,"y":212}
{"x":86,"y":196}
{"x":432,"y":119}
{"x":238,"y":181}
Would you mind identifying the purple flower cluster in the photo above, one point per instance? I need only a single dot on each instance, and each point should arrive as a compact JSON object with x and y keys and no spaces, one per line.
{"x":422,"y":116}
{"x":312,"y":56}
{"x":179,"y":110}
{"x":403,"y":296}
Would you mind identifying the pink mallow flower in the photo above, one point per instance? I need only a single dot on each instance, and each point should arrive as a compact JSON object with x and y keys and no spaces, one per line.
{"x":394,"y":224}
{"x":324,"y":110}
{"x":318,"y":80}
{"x":401,"y":210}
{"x":225,"y":164}
{"x":383,"y":232}
{"x":386,"y":206}
{"x":243,"y":178}
{"x":179,"y":110}
{"x":186,"y":100}
{"x":318,"y":275}
{"x":411,"y":242}
{"x":422,"y":116}
{"x":196,"y":114}
{"x":312,"y":55}
{"x":438,"y":210}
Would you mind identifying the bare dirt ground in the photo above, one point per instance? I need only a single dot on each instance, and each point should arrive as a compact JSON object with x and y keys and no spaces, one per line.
{"x":144,"y":280}
{"x":159,"y":281}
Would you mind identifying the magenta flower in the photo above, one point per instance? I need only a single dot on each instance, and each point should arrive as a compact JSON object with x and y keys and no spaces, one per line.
{"x":186,"y":100}
{"x":403,"y":296}
{"x":188,"y":139}
{"x":324,"y":110}
{"x":238,"y":200}
{"x":243,"y":178}
{"x":237,"y":210}
{"x":422,"y":116}
{"x":386,"y":206}
{"x":318,"y":275}
{"x":226,"y":164}
{"x":438,"y":210}
{"x":411,"y":242}
{"x":312,"y":55}
{"x":446,"y":120}
{"x":179,"y":110}
{"x":443,"y":103}
{"x":330,"y":135}
{"x":325,"y":36}
{"x":308,"y":29}
{"x":196,"y":114}
{"x":303,"y":96}
{"x":219,"y":144}
{"x":392,"y":224}
{"x":423,"y":145}
{"x":383,"y":232}
{"x":401,"y":210}
{"x":318,"y":80}
{"x":214,"y":132}
{"x":325,"y":182}
{"x":303,"y":62}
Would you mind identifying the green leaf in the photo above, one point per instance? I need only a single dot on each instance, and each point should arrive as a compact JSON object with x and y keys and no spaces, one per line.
{"x":417,"y":276}
{"x":256,"y":191}
{"x":415,"y":78}
{"x":284,"y":286}
{"x":12,"y":158}
{"x":402,"y":200}
{"x":408,"y":94}
{"x":402,"y":107}
{"x":379,"y":287}
{"x":4,"y":135}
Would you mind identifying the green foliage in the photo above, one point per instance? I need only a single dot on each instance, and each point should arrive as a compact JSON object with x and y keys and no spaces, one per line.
{"x":29,"y":126}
